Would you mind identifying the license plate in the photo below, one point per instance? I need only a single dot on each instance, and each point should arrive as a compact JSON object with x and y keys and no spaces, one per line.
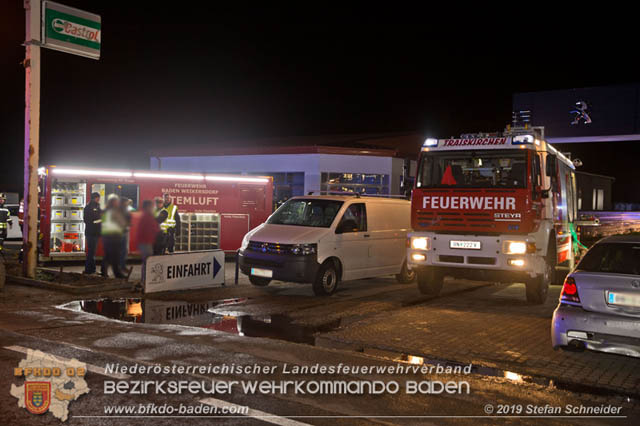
{"x":262,"y":272}
{"x":472,"y":245}
{"x":623,"y":299}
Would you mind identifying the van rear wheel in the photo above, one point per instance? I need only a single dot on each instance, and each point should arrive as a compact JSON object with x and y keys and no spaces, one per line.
{"x":430,"y":282}
{"x":259,"y":281}
{"x":326,"y":281}
{"x":406,"y":275}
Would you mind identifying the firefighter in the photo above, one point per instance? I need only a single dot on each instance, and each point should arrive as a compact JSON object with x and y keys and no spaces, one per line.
{"x":21,"y":215}
{"x":161,"y":215}
{"x":5,"y":219}
{"x":171,"y":225}
{"x":93,"y":219}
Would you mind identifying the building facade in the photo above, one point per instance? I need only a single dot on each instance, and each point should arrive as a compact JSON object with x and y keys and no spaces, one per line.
{"x":304,"y":169}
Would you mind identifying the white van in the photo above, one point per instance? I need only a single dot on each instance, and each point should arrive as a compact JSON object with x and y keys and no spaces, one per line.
{"x":323,"y":240}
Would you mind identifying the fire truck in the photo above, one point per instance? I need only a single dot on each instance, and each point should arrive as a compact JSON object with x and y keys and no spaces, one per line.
{"x":216,"y":211}
{"x":493,"y":207}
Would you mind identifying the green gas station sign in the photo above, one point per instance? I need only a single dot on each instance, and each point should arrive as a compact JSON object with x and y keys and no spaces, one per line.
{"x":71,"y":30}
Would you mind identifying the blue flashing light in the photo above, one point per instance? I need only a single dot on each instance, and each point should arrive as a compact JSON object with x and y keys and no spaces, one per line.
{"x":430,"y":142}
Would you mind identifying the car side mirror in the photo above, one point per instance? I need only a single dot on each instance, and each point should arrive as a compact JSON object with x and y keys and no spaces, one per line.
{"x":348,"y":225}
{"x":551,"y":166}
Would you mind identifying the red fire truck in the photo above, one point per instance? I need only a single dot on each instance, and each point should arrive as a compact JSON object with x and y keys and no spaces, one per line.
{"x":216,"y":211}
{"x":496,"y":207}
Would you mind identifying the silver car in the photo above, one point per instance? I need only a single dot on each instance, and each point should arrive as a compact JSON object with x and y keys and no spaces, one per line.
{"x":600,"y":301}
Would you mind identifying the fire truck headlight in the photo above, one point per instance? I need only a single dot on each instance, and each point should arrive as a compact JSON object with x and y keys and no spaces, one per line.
{"x":515,"y":247}
{"x":419,"y":243}
{"x":418,"y":257}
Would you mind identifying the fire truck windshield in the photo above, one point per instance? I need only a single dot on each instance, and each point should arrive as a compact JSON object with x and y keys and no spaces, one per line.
{"x":473,"y":169}
{"x":301,"y":212}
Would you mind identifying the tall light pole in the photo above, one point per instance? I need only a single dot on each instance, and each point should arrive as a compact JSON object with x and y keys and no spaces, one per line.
{"x":31,"y":135}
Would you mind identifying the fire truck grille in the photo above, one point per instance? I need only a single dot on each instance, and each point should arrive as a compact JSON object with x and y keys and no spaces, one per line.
{"x":451,"y":259}
{"x":455,"y":220}
{"x":269,"y":247}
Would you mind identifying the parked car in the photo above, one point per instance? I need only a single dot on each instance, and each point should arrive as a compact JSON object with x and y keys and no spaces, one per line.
{"x":600,"y":301}
{"x":323,"y":240}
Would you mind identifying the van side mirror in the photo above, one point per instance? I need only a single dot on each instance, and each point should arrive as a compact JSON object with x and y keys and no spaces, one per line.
{"x":348,"y":225}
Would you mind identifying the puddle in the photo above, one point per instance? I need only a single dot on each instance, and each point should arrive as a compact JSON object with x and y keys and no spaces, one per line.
{"x":200,"y":314}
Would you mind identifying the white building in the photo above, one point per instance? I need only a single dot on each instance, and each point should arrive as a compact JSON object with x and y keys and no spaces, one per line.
{"x":299,"y":170}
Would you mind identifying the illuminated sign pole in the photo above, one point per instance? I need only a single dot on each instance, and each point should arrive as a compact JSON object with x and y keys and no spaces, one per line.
{"x":60,"y":28}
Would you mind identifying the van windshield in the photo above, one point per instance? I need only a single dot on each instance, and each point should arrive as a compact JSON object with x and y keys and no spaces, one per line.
{"x":473,"y":169}
{"x":310,"y":212}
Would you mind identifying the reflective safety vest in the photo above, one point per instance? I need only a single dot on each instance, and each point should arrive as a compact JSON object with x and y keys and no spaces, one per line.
{"x":109,"y":226}
{"x":170,"y":221}
{"x":5,"y":217}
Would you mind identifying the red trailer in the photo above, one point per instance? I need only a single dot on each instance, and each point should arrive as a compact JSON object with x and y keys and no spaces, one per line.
{"x":216,"y":211}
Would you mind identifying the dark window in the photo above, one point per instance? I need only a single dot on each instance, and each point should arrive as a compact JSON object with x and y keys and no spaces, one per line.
{"x":356,"y":214}
{"x":473,"y":169}
{"x":615,"y":258}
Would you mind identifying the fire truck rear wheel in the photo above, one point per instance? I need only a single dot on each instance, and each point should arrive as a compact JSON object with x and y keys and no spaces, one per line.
{"x":259,"y":281}
{"x":430,"y":282}
{"x":406,"y":275}
{"x":538,"y":287}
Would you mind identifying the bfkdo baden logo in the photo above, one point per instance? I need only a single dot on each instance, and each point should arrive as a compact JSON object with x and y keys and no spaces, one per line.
{"x":50,"y":384}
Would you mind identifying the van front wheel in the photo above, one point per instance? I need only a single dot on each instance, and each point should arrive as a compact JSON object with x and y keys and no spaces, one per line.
{"x":259,"y":281}
{"x":430,"y":282}
{"x":327,"y":280}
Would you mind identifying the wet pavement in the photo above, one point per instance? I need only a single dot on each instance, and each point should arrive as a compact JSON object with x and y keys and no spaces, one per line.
{"x":367,"y":322}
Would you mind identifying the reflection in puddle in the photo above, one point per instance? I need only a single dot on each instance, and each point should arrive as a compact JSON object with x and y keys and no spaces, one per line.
{"x":200,"y":314}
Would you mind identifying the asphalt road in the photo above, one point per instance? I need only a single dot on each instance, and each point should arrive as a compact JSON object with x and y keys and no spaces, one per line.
{"x":373,"y":322}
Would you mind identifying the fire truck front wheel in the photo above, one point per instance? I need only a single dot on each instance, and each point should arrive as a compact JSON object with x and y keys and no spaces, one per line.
{"x":430,"y":282}
{"x":259,"y":281}
{"x":406,"y":275}
{"x":538,"y":287}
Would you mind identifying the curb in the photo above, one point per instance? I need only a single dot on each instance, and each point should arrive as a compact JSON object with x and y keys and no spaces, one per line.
{"x":67,"y":288}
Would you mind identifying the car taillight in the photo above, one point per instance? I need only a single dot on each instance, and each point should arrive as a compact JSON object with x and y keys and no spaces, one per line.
{"x":569,"y":291}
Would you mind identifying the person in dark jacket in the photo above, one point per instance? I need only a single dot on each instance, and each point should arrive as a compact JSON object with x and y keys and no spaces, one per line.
{"x":148,"y":230}
{"x":161,"y":215}
{"x":125,"y":209}
{"x":113,"y":227}
{"x":92,"y":219}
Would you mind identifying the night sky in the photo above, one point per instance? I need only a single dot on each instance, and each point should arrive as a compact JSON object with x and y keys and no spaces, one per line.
{"x":182,"y":75}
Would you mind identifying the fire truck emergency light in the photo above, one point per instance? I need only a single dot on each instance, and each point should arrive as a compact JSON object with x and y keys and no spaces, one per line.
{"x":522,"y":139}
{"x":430,"y":142}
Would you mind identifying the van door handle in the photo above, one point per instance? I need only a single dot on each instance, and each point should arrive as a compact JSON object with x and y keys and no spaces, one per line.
{"x":367,"y":235}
